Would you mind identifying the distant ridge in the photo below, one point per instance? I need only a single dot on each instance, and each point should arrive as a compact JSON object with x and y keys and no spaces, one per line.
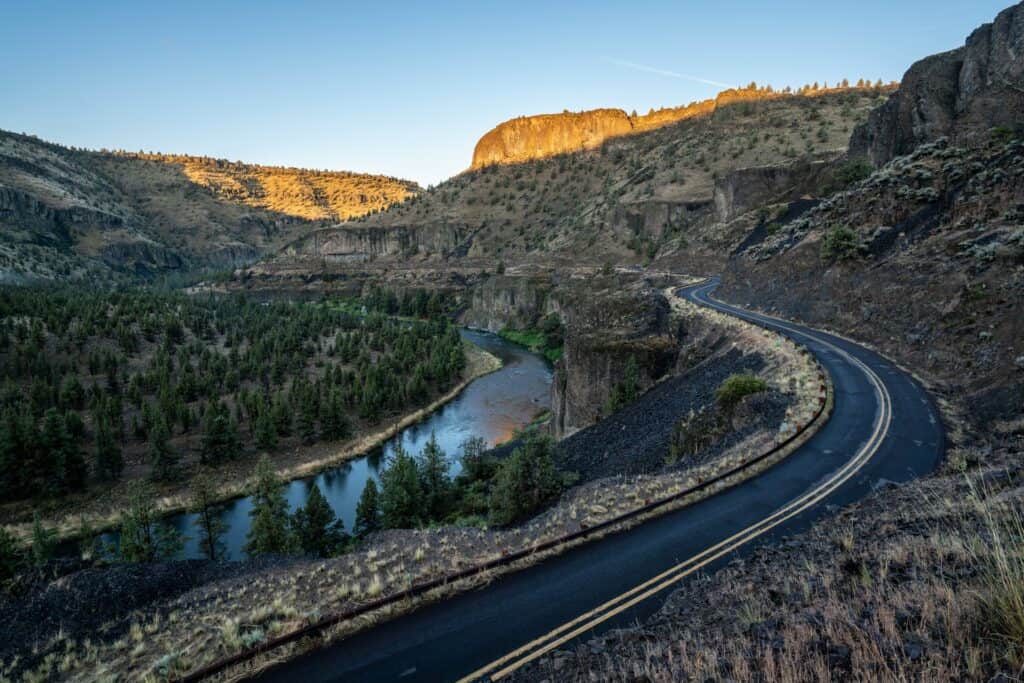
{"x":526,"y":138}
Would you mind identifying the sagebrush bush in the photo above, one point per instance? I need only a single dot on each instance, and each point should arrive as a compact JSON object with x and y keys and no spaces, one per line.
{"x":841,"y":244}
{"x":735,"y":387}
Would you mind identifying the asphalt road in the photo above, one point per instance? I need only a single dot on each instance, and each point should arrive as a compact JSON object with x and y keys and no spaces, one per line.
{"x":883,"y":429}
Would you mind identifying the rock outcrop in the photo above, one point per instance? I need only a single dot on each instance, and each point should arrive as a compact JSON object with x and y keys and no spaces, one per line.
{"x":961,"y":94}
{"x":606,"y":326}
{"x":537,"y":137}
{"x":349,"y":244}
{"x":507,"y":301}
{"x":747,"y":188}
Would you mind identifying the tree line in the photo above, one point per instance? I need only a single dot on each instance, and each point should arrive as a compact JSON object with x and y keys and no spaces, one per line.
{"x":414,"y":491}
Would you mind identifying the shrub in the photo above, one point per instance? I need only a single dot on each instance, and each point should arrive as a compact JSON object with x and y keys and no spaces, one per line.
{"x":735,"y":387}
{"x":841,"y":244}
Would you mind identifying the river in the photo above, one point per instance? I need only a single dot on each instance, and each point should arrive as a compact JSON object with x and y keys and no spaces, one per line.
{"x":491,"y":407}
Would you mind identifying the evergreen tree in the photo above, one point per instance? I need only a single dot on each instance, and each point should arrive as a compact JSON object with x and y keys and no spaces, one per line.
{"x":143,"y":538}
{"x":367,"y":510}
{"x":266,"y":431}
{"x":307,"y":418}
{"x":109,"y":462}
{"x":165,"y":460}
{"x":435,"y":480}
{"x":269,"y":530}
{"x":473,"y":460}
{"x":60,"y":464}
{"x":220,"y":435}
{"x":332,"y":418}
{"x":401,"y":497}
{"x":317,"y":530}
{"x":208,"y":520}
{"x":525,"y":481}
{"x":43,"y":541}
{"x":282,"y":415}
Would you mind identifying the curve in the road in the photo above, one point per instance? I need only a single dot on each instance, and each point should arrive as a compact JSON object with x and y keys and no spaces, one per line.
{"x":883,"y":429}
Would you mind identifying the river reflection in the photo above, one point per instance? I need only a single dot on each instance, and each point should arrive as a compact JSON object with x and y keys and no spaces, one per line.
{"x":492,"y":407}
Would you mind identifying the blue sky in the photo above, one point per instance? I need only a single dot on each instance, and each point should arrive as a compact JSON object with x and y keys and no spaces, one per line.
{"x":407,"y":88}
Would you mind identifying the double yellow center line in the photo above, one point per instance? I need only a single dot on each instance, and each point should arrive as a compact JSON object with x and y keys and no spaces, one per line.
{"x":505,"y":665}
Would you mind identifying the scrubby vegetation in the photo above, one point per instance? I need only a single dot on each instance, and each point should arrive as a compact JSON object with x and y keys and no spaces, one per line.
{"x":547,"y":338}
{"x":841,"y":244}
{"x":97,"y":383}
{"x":736,"y":387}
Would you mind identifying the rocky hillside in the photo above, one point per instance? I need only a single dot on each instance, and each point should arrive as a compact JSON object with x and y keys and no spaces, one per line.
{"x":67,"y":212}
{"x":527,"y":138}
{"x":925,"y":257}
{"x":961,"y":95}
{"x":631,"y":199}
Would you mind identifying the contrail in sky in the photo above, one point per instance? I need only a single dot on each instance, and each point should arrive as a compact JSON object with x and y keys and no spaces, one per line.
{"x":666,"y":72}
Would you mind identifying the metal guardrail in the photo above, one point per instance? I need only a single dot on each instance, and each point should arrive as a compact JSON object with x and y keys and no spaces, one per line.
{"x":419,"y":589}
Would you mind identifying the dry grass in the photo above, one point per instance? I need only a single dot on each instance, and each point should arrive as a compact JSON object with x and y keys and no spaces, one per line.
{"x":919,"y":583}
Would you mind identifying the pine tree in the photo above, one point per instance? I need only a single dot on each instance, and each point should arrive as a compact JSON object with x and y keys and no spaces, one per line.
{"x":317,"y":530}
{"x":307,"y":418}
{"x":473,"y":460}
{"x":269,"y":530}
{"x":61,"y":464}
{"x":143,"y":538}
{"x":525,"y":481}
{"x":367,"y":510}
{"x":266,"y":431}
{"x":282,"y":415}
{"x":401,"y":497}
{"x":165,"y":460}
{"x":109,"y":462}
{"x":43,"y":541}
{"x":208,"y":520}
{"x":332,"y":419}
{"x":220,"y":435}
{"x":435,"y":480}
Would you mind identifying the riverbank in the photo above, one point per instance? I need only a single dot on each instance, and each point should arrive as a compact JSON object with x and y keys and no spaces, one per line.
{"x":102,"y":506}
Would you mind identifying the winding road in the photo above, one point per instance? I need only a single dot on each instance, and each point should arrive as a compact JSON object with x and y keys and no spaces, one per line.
{"x":884,"y":428}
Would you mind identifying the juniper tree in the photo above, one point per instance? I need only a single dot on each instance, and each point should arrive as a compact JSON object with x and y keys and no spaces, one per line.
{"x":164,"y":458}
{"x":208,"y":521}
{"x":525,"y":481}
{"x":316,"y":528}
{"x":435,"y":480}
{"x":109,"y":461}
{"x":401,"y":496}
{"x":266,"y":431}
{"x":332,"y":417}
{"x":367,"y":510}
{"x":269,"y":532}
{"x":143,"y":537}
{"x":43,"y":541}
